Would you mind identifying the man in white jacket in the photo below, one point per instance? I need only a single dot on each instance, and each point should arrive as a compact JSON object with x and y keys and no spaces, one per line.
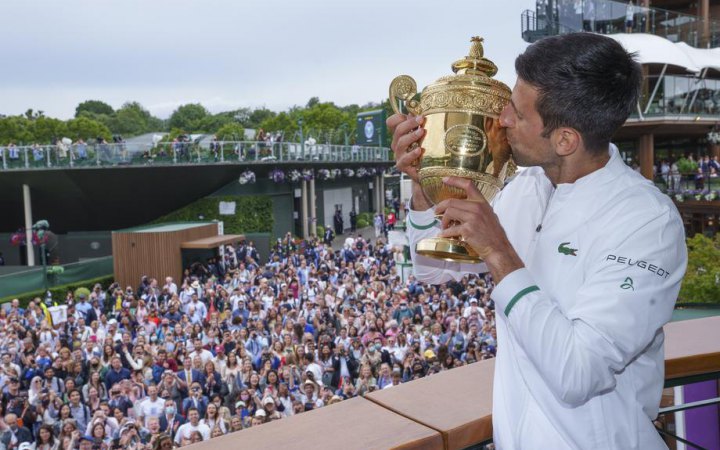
{"x":587,"y":255}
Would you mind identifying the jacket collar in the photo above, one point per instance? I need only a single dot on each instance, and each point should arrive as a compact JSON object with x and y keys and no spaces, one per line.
{"x":612,"y":169}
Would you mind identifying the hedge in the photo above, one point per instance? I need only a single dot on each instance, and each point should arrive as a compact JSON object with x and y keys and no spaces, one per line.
{"x":59,"y":292}
{"x":253,"y":214}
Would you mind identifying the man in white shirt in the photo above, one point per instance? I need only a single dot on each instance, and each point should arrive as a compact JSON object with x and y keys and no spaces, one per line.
{"x":170,"y":286}
{"x":587,"y":255}
{"x":192,"y":425}
{"x":205,"y":355}
{"x":152,"y":406}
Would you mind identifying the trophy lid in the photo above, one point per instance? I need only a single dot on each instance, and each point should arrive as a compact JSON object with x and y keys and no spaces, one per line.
{"x":475,"y":63}
{"x":471,"y":89}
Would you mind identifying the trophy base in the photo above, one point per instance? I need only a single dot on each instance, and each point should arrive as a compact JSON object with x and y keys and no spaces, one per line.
{"x":446,"y":249}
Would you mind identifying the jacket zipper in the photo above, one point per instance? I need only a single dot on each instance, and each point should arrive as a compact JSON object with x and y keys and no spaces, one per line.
{"x":538,"y":229}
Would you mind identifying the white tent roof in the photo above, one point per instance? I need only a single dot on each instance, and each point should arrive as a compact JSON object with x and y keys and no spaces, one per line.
{"x":653,"y":49}
{"x":702,"y":57}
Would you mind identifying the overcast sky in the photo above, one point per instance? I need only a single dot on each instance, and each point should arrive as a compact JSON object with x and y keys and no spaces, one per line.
{"x":227,"y":54}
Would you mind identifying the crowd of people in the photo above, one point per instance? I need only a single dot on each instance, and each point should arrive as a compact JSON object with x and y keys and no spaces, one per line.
{"x":706,"y":169}
{"x":236,"y":343}
{"x":61,"y":151}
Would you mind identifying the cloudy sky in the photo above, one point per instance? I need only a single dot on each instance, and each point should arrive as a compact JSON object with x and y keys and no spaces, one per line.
{"x":233,"y":53}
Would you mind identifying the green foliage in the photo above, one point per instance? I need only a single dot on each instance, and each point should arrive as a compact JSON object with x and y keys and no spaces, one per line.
{"x":130,"y":120}
{"x":323,"y":121}
{"x":320,"y":231}
{"x":211,"y":123}
{"x":59,"y":292}
{"x":253,"y":214}
{"x":257,"y":117}
{"x":686,"y":166}
{"x":42,"y":130}
{"x":285,"y":122}
{"x":231,"y":132}
{"x":362,"y":223}
{"x":188,"y":117}
{"x":96,"y":107}
{"x":16,"y":129}
{"x":702,"y":278}
{"x":87,"y":129}
{"x":82,"y":290}
{"x":368,"y":217}
{"x":45,"y":129}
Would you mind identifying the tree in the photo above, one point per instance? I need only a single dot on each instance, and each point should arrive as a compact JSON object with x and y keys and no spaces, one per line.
{"x":95,"y":107}
{"x":129,"y":121}
{"x":702,"y":278}
{"x":46,"y":129}
{"x":212,"y":123}
{"x":87,"y":129}
{"x":188,"y":117}
{"x":15,"y":129}
{"x":325,"y":120}
{"x":231,"y":132}
{"x":285,"y":122}
{"x":257,"y":117}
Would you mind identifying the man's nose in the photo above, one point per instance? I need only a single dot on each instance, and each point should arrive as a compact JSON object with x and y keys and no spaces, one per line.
{"x":506,"y":119}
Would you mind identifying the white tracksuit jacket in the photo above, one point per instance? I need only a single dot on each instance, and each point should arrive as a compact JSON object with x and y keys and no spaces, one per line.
{"x":580,"y":361}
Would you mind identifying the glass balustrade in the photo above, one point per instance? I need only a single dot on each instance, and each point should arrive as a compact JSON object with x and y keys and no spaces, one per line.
{"x":246,"y":152}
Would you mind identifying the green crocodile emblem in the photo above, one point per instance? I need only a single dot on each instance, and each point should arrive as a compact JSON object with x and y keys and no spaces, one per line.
{"x":565,"y":250}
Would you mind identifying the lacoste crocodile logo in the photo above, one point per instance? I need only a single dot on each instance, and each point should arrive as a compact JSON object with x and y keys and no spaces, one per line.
{"x":565,"y":250}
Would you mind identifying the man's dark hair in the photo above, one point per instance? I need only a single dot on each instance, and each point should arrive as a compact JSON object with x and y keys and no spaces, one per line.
{"x":585,"y":81}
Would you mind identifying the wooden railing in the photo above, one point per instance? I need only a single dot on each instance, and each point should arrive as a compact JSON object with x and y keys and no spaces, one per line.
{"x":450,"y":410}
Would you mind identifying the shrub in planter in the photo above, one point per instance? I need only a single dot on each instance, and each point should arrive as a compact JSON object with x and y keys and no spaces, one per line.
{"x":685,"y":166}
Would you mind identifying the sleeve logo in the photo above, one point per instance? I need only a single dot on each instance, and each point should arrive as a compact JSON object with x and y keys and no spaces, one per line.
{"x":627,"y":284}
{"x":659,"y":271}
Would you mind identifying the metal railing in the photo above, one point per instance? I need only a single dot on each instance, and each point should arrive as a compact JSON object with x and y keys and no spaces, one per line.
{"x":670,"y":431}
{"x":676,"y":95}
{"x":172,"y":153}
{"x":608,"y":16}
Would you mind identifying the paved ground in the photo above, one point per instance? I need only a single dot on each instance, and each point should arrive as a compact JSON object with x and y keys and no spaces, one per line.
{"x":366,"y":233}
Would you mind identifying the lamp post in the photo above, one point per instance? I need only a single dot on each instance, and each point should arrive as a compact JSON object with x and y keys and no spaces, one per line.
{"x":302,"y":138}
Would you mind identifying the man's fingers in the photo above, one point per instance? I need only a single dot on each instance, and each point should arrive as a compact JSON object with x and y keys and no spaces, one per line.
{"x":405,"y":141}
{"x":409,"y":124}
{"x":406,"y":132}
{"x":395,"y":120}
{"x":405,"y":160}
{"x":451,"y":232}
{"x":457,"y":215}
{"x":468,"y":186}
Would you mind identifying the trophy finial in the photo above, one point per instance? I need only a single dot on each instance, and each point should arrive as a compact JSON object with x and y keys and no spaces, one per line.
{"x":476,"y":49}
{"x":475,"y":63}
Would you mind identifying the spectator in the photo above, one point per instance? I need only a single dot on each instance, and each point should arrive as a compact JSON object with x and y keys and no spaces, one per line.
{"x":237,"y":343}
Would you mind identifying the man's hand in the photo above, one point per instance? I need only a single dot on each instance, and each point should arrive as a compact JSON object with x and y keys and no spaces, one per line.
{"x":474,"y":221}
{"x":406,"y":131}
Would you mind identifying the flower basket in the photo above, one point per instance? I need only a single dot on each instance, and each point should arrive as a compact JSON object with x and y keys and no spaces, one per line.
{"x":247,"y":177}
{"x":277,"y":175}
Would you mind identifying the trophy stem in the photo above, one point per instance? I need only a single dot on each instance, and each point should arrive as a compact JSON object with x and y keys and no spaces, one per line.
{"x":447,"y":249}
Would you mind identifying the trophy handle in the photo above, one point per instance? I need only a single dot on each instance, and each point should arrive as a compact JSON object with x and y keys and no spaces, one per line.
{"x":404,"y":88}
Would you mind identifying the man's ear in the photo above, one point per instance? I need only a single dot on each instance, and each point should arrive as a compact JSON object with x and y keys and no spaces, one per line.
{"x":566,"y":141}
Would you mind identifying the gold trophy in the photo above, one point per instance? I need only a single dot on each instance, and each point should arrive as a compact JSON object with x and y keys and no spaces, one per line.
{"x":463,"y":138}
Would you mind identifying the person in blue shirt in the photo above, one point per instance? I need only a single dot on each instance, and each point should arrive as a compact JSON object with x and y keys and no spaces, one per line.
{"x":117,"y":373}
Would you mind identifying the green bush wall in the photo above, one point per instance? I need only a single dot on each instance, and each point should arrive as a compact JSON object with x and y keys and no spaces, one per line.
{"x":253,"y":214}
